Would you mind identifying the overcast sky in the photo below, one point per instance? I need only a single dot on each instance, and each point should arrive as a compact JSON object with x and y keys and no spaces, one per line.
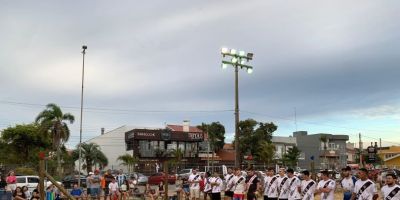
{"x":154,"y":62}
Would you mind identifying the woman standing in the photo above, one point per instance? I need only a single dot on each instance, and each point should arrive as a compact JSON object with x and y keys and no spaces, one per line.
{"x":11,"y":181}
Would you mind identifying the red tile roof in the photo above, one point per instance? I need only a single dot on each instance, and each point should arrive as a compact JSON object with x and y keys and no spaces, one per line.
{"x":228,"y":146}
{"x":192,"y":129}
{"x":226,"y":155}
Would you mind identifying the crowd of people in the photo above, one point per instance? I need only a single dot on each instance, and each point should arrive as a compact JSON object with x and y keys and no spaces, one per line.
{"x":284,"y":185}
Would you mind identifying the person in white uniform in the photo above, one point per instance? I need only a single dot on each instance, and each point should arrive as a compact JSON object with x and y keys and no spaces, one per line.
{"x":229,"y":184}
{"x":308,"y":186}
{"x":391,"y":190}
{"x":194,"y":180}
{"x":271,"y":185}
{"x":283,"y":184}
{"x":364,"y":189}
{"x":347,"y":183}
{"x":216,"y":183}
{"x":326,"y":187}
{"x":239,"y":187}
{"x":294,"y":186}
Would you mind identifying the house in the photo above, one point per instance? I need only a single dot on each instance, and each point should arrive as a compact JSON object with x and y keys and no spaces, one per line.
{"x":390,"y":156}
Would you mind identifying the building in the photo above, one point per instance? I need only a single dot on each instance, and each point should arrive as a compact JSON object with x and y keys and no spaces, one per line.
{"x":282,"y":145}
{"x":390,"y":156}
{"x":150,"y":144}
{"x":351,"y":153}
{"x":330,"y":154}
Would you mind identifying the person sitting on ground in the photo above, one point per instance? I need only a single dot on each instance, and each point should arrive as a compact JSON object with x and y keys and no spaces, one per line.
{"x":150,"y":193}
{"x":19,"y":194}
{"x":76,"y":191}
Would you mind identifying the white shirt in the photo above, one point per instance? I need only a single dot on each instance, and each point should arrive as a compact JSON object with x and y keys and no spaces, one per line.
{"x":271,"y":188}
{"x":386,"y":190}
{"x":216,"y":188}
{"x":207,"y":184}
{"x":368,"y":193}
{"x":283,"y":188}
{"x":331,"y":185}
{"x":113,"y":186}
{"x":239,"y":185}
{"x":294,"y":185}
{"x":309,"y":194}
{"x":348,"y":184}
{"x":194,"y":177}
{"x":229,"y":181}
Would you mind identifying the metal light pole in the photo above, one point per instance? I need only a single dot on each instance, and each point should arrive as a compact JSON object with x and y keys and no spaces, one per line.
{"x":84,"y":47}
{"x":238,"y":60}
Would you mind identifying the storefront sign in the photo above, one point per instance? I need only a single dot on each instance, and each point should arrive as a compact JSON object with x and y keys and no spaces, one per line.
{"x":144,"y":134}
{"x":195,"y":136}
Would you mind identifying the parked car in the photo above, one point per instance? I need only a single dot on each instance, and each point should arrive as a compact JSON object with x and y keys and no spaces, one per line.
{"x":141,"y":178}
{"x":158,"y":177}
{"x":184,"y":173}
{"x":31,"y":182}
{"x":70,"y":180}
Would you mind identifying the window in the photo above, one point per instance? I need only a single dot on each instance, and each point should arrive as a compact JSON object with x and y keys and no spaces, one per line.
{"x":21,"y":180}
{"x":33,"y":180}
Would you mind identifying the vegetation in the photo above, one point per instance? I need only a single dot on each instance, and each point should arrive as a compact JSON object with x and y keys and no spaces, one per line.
{"x":291,"y":157}
{"x":91,"y":156}
{"x":53,"y":124}
{"x":216,"y":137}
{"x":129,"y":161}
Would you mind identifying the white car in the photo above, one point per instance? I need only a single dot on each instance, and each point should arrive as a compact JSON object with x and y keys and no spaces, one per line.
{"x":31,"y":182}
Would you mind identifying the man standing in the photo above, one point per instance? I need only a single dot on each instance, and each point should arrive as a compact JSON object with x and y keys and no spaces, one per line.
{"x":307,"y":186}
{"x":326,"y":187}
{"x":294,"y":186}
{"x":95,"y":185}
{"x":194,"y":180}
{"x":271,"y":185}
{"x":364,"y":189}
{"x":228,"y":180}
{"x":391,"y":190}
{"x":347,"y":183}
{"x":283,"y":184}
{"x":108,"y":178}
{"x":252,"y":184}
{"x":239,"y":185}
{"x":120,"y":178}
{"x":216,"y":183}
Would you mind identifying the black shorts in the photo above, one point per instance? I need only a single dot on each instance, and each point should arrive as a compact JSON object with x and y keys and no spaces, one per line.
{"x":106,"y":191}
{"x":229,"y":193}
{"x":251,"y":196}
{"x":275,"y":198}
{"x":215,"y":196}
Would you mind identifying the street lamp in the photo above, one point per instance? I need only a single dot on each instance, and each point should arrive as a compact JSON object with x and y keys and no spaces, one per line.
{"x":84,"y":47}
{"x":236,"y":59}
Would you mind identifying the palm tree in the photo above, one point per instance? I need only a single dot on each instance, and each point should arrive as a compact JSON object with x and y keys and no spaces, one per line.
{"x":178,"y":155}
{"x":91,"y":155}
{"x":129,"y":161}
{"x":266,"y":152}
{"x":53,"y":124}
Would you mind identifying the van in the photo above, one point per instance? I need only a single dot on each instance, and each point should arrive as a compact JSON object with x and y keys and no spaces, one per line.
{"x":31,"y":182}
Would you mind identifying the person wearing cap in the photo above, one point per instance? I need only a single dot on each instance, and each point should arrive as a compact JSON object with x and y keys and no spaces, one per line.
{"x":252,"y":184}
{"x":391,"y":190}
{"x":347,"y":183}
{"x":194,"y":180}
{"x":95,"y":185}
{"x":364,"y":189}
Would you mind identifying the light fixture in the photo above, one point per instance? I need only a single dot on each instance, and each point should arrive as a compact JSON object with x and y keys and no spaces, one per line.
{"x":224,"y":50}
{"x":242,"y":53}
{"x":234,"y":60}
{"x":242,"y":61}
{"x":233,"y":51}
{"x":249,"y":70}
{"x":249,"y":56}
{"x":224,"y":66}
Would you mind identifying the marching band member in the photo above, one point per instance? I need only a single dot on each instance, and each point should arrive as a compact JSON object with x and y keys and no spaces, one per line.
{"x":326,"y":187}
{"x":283,"y":184}
{"x":307,"y":186}
{"x":294,"y":186}
{"x":194,"y":180}
{"x":252,"y":184}
{"x":271,"y":185}
{"x":239,"y":185}
{"x":229,"y":184}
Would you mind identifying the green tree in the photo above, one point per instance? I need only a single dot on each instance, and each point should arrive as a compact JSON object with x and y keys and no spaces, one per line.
{"x":252,"y":135}
{"x":22,"y":143}
{"x":91,"y":155}
{"x":266,"y":153}
{"x":216,"y":137}
{"x":53,"y":124}
{"x":177,"y":155}
{"x":292,"y":156}
{"x":129,"y":161}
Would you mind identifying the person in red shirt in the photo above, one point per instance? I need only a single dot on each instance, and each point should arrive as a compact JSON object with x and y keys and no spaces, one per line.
{"x":11,"y":181}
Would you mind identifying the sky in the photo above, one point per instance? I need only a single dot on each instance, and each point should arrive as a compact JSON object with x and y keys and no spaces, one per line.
{"x":319,"y":66}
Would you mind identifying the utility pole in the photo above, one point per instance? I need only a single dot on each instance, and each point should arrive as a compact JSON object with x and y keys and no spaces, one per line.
{"x":380,"y":143}
{"x":360,"y":148}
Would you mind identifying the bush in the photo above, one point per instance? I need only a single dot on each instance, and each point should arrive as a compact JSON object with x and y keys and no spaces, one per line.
{"x":25,"y":171}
